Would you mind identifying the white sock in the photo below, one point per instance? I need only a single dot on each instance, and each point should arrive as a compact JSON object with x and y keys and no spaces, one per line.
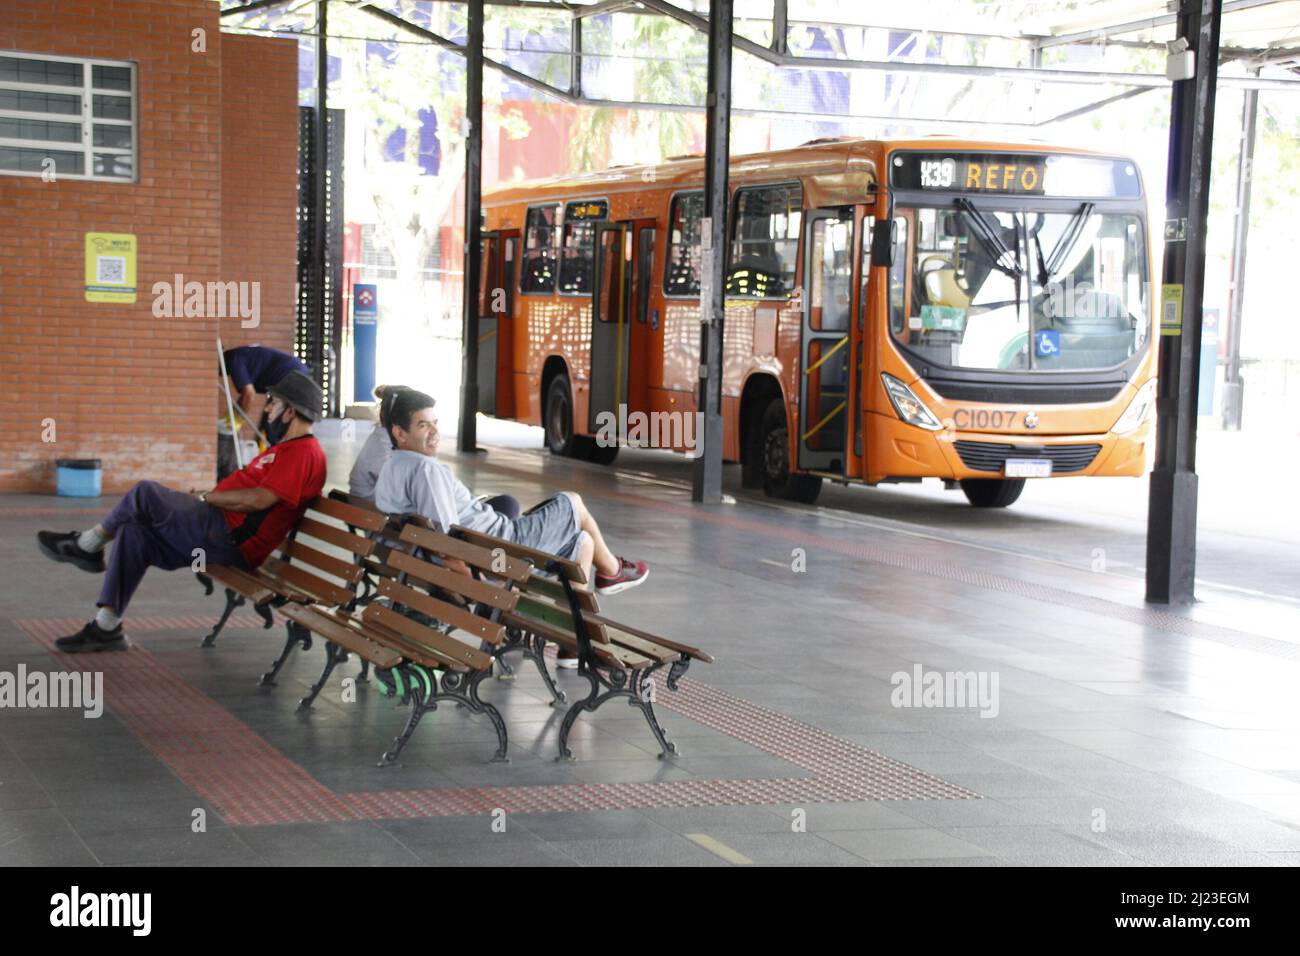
{"x":106,"y":619}
{"x":92,"y":540}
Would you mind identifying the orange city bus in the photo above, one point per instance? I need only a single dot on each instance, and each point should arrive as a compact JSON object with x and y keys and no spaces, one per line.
{"x":895,"y":310}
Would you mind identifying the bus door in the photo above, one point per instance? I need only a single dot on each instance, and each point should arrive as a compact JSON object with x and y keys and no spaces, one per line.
{"x":824,"y":344}
{"x":495,"y":305}
{"x":611,"y":312}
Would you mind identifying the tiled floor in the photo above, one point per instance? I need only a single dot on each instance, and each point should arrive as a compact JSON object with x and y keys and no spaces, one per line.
{"x":1118,"y":735}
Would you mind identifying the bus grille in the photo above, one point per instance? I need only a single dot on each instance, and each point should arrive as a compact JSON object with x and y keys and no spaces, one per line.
{"x":992,"y":456}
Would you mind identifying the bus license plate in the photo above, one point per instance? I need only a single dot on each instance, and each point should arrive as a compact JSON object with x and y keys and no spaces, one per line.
{"x":1028,"y":468}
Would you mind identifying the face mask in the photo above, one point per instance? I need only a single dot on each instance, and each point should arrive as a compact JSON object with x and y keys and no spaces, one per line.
{"x":276,"y":429}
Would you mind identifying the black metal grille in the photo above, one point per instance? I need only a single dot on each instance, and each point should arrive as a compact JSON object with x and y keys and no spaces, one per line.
{"x":319,"y":336}
{"x":993,"y":455}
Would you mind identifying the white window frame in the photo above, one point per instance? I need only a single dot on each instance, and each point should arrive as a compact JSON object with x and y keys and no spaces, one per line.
{"x":87,"y":119}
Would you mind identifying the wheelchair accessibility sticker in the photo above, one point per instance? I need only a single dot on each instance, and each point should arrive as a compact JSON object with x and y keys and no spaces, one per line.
{"x":1047,"y":343}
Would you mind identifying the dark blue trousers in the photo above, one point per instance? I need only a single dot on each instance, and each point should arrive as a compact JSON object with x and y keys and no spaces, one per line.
{"x":154,"y":526}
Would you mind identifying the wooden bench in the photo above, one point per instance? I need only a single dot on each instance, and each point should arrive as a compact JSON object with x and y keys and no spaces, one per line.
{"x":303,"y":574}
{"x":616,"y":660}
{"x":431,"y":665}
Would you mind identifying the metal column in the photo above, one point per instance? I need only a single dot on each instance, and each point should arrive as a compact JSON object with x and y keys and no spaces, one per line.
{"x":706,"y":478}
{"x":467,"y":438}
{"x":320,"y":199}
{"x":780,"y":27}
{"x":575,"y":61}
{"x":1233,"y":386}
{"x":1171,"y":511}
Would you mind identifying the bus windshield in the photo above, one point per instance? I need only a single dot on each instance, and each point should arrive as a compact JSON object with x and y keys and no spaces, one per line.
{"x":977,"y":287}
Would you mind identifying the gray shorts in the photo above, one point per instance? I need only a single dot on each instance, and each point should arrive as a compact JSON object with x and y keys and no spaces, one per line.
{"x":551,"y":527}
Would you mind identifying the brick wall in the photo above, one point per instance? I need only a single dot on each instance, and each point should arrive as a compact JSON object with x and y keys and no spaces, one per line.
{"x":259,"y":181}
{"x":121,"y":385}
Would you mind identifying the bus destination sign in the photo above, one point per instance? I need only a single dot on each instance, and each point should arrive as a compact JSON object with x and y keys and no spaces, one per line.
{"x":1016,"y":174}
{"x":587,"y":209}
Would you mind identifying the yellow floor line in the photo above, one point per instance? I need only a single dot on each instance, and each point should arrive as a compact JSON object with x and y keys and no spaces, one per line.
{"x":719,"y":849}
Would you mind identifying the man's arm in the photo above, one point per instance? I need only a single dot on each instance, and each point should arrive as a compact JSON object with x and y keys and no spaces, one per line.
{"x":246,"y":396}
{"x":244,"y":500}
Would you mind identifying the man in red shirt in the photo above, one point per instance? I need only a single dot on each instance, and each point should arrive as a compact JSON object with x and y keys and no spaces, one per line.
{"x":238,"y":523}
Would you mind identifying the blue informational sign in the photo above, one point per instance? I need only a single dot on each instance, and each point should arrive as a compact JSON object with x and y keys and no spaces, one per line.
{"x":365,"y":328}
{"x":1047,"y":343}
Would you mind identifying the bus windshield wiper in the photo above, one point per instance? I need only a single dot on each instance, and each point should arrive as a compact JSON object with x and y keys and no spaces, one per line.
{"x":1004,"y":260}
{"x":1065,"y":245}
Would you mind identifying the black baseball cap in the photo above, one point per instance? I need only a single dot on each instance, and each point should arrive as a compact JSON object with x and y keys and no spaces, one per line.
{"x":300,"y":393}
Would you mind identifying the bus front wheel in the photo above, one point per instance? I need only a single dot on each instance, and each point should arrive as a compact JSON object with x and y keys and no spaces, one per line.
{"x":559,"y":417}
{"x":777,"y":480}
{"x":992,"y":492}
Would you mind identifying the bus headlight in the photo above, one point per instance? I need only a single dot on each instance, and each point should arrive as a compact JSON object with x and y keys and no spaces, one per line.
{"x":909,"y":408}
{"x":1137,"y":410}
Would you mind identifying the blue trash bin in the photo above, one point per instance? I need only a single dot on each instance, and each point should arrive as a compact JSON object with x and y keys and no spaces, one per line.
{"x":78,"y":477}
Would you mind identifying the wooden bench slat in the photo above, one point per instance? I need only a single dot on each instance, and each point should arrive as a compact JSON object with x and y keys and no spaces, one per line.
{"x":346,"y":570}
{"x":647,"y":649}
{"x":242,"y":582}
{"x":318,"y":589}
{"x":677,"y":646}
{"x":457,"y":650}
{"x":555,"y":590}
{"x":557,"y":615}
{"x":449,"y":547}
{"x":449,"y":580}
{"x":408,"y":648}
{"x":609,"y":654}
{"x":339,"y":537}
{"x":349,"y":513}
{"x":539,"y":559}
{"x":341,"y":634}
{"x":479,"y":627}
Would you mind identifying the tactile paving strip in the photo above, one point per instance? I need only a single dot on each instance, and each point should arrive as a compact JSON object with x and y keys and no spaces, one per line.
{"x":217,"y":756}
{"x":251,"y":783}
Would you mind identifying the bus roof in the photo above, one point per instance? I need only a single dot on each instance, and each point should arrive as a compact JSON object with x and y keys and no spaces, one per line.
{"x":844,"y":161}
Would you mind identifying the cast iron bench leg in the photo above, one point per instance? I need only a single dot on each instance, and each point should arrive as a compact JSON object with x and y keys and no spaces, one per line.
{"x":297,"y":634}
{"x":233,"y":600}
{"x":334,"y":655}
{"x":633,"y":686}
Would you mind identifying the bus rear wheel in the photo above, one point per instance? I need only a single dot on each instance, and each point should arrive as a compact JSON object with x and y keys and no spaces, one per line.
{"x":992,"y":492}
{"x":777,"y":480}
{"x":558,"y":417}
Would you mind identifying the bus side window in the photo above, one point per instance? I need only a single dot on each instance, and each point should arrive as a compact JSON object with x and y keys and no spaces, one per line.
{"x":765,"y":242}
{"x":541,"y":230}
{"x":898,"y":279}
{"x":577,"y":258}
{"x":682,"y":262}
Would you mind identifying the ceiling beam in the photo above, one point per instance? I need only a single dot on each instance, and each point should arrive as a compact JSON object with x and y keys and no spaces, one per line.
{"x":251,"y":6}
{"x":1134,"y":26}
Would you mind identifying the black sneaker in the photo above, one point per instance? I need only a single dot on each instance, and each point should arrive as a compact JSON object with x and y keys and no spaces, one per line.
{"x":64,"y":547}
{"x":92,"y":637}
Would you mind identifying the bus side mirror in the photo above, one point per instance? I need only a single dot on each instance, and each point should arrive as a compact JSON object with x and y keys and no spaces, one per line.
{"x":883,"y":234}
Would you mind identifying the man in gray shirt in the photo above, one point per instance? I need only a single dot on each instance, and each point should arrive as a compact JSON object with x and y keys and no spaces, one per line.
{"x":413,"y":481}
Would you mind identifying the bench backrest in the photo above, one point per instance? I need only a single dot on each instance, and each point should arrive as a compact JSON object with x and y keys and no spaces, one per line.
{"x":306,"y":564}
{"x":435,"y":590}
{"x":545,"y":600}
{"x":542,"y":598}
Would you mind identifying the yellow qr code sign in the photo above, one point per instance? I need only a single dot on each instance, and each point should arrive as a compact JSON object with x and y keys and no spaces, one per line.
{"x":110,"y":267}
{"x":1171,"y":310}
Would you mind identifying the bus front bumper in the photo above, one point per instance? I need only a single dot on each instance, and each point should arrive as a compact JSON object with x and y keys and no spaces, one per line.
{"x":898,"y":450}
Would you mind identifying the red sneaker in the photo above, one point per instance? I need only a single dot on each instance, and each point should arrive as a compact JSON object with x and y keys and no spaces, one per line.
{"x":630,"y":574}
